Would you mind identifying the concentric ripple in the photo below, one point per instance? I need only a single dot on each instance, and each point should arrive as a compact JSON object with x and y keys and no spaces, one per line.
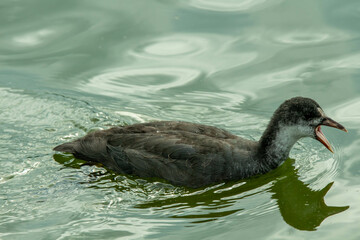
{"x":314,"y":168}
{"x":228,"y":5}
{"x":173,"y":45}
{"x":201,"y":51}
{"x":40,"y":37}
{"x":140,"y":80}
{"x":311,"y":37}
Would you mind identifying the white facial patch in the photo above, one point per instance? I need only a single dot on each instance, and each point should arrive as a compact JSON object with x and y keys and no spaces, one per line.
{"x":289,"y":135}
{"x":315,"y":121}
{"x":295,"y":132}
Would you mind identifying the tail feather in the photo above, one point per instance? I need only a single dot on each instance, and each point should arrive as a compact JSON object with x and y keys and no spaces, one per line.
{"x":92,"y":149}
{"x":96,"y":149}
{"x":65,"y":147}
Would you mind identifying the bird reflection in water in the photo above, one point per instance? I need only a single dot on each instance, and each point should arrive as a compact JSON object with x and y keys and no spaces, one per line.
{"x":300,"y":206}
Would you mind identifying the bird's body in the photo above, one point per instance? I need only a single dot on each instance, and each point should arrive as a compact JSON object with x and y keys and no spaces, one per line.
{"x":196,"y":155}
{"x":183,"y":153}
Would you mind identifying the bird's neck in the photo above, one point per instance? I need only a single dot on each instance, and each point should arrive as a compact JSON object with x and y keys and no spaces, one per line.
{"x":276,"y":143}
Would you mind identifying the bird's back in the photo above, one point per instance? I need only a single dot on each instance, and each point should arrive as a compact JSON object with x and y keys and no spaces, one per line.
{"x":183,"y":153}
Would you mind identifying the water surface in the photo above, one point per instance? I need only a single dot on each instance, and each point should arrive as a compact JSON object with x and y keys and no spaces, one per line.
{"x":68,"y":68}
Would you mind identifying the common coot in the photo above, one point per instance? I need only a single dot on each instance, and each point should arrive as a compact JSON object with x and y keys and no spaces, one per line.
{"x":196,"y":155}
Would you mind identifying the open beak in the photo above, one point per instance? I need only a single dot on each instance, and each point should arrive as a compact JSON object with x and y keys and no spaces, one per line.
{"x":321,"y":137}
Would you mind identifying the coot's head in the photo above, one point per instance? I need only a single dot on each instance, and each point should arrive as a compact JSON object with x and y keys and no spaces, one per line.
{"x":304,"y":117}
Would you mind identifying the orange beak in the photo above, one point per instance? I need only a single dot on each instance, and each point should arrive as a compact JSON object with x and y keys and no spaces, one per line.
{"x":321,"y":137}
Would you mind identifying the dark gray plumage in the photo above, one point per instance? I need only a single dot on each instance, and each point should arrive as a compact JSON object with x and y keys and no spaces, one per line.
{"x":196,"y":155}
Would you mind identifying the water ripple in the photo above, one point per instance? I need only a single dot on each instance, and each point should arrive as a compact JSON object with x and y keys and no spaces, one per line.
{"x":40,"y":37}
{"x":315,"y":169}
{"x":172,"y":45}
{"x":351,"y":61}
{"x":348,"y":112}
{"x":311,"y":37}
{"x":140,"y":81}
{"x":230,"y":5}
{"x":201,"y":51}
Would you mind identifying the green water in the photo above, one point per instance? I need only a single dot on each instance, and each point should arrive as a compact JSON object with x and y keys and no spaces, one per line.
{"x":70,"y":67}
